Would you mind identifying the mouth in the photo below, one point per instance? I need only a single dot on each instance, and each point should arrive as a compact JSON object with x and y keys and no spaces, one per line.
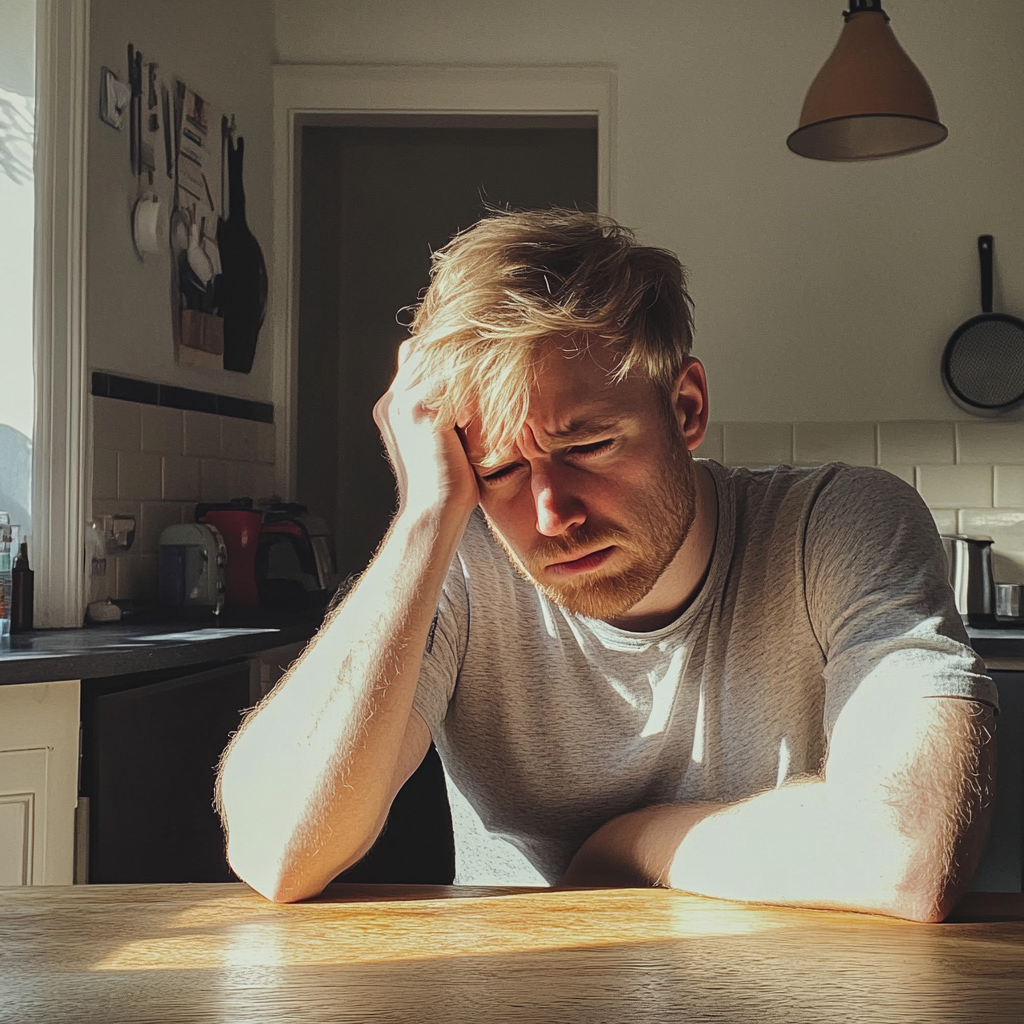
{"x":586,"y":563}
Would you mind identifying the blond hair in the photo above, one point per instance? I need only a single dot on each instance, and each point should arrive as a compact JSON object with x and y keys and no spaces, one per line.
{"x":507,"y":286}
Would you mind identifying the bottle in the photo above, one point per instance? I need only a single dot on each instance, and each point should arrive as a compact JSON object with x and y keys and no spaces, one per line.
{"x":23,"y":579}
{"x":6,"y":540}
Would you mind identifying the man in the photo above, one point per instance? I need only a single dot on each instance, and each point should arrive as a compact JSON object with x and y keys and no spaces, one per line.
{"x":638,"y":667}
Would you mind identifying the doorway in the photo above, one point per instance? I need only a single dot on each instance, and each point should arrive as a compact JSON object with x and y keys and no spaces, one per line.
{"x":379,"y":194}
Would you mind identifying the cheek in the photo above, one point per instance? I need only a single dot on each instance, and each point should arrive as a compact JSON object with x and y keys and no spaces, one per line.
{"x":512,"y":515}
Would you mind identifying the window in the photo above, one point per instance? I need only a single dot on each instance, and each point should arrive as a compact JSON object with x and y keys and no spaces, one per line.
{"x":17,"y":129}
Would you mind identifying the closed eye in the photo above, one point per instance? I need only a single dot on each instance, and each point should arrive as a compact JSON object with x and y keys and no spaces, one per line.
{"x":502,"y":473}
{"x":590,"y":449}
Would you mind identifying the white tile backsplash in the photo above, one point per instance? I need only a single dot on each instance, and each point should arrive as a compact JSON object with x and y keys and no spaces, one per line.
{"x":757,"y":444}
{"x":162,"y":430}
{"x":266,"y":447}
{"x":104,"y":473}
{"x":239,"y":439}
{"x":139,"y":475}
{"x":180,"y":478}
{"x":1008,"y":487}
{"x":916,"y":441}
{"x":999,"y":443}
{"x":815,"y":443}
{"x":202,"y":434}
{"x":116,"y":425}
{"x":955,"y":486}
{"x":155,"y":463}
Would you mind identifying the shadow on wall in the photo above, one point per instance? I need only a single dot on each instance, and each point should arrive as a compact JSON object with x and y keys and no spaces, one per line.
{"x":16,"y":477}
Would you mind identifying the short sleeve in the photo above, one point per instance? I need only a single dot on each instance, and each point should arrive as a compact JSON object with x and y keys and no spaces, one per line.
{"x":878,"y":595}
{"x":445,"y":649}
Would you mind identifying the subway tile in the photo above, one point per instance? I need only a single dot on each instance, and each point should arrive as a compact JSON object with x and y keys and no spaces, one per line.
{"x":156,"y":517}
{"x":116,"y":424}
{"x":116,"y":507}
{"x":1006,"y":528}
{"x":916,"y":441}
{"x":202,"y":434}
{"x":905,"y":473}
{"x":945,"y":520}
{"x":180,"y":478}
{"x":265,"y":482}
{"x":711,"y":446}
{"x":955,"y":486}
{"x":213,"y":480}
{"x":991,"y":443}
{"x":266,"y":444}
{"x":757,"y":444}
{"x":162,"y":430}
{"x":239,"y":439}
{"x":139,"y":475}
{"x":1008,"y":486}
{"x":815,"y":443}
{"x":104,"y":473}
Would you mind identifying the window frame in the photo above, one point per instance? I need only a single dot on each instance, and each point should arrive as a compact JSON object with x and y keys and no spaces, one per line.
{"x":61,"y":452}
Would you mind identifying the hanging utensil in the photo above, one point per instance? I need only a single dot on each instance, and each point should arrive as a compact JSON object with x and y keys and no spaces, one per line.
{"x":983,"y":364}
{"x":245,"y":284}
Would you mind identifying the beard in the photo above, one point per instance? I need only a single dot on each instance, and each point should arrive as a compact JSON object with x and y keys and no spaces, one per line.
{"x":661,"y":517}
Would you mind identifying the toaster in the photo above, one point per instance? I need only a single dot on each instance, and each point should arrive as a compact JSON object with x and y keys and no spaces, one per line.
{"x":192,"y":563}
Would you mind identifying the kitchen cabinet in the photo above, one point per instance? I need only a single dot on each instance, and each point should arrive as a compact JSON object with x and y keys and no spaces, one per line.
{"x":38,"y":782}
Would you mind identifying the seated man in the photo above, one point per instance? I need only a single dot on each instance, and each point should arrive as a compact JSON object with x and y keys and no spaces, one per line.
{"x":638,"y":667}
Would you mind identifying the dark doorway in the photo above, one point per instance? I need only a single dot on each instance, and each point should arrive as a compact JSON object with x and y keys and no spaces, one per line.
{"x":376,"y":201}
{"x":377,"y":198}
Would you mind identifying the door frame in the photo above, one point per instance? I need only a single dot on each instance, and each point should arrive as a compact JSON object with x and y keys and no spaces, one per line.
{"x":307,"y":92}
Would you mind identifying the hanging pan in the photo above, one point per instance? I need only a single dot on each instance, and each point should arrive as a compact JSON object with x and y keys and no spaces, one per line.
{"x":983,"y":365}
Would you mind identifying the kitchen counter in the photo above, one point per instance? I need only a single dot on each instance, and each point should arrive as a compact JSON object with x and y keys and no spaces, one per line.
{"x":119,"y":649}
{"x":222,"y":953}
{"x":1001,"y":648}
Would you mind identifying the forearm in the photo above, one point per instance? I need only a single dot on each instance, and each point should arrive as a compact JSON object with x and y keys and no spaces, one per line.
{"x":879,"y":834}
{"x":306,"y":782}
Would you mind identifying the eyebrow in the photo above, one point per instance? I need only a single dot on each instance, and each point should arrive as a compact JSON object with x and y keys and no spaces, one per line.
{"x":576,"y":430}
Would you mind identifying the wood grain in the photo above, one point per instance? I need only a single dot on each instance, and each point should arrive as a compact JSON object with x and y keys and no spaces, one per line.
{"x":197,"y":953}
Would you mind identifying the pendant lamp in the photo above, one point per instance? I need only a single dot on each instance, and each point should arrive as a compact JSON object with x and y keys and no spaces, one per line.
{"x":869,"y":100}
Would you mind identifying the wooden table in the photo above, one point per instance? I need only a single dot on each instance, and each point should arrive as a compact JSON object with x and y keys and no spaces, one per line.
{"x":186,"y":953}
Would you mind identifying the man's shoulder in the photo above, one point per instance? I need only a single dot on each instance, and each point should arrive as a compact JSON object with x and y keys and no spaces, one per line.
{"x":804,"y":486}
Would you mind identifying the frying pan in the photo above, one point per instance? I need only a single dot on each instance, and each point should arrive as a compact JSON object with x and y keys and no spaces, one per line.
{"x":983,"y":364}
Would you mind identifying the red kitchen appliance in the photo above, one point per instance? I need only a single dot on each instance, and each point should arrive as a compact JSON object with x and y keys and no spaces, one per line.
{"x":240,"y":525}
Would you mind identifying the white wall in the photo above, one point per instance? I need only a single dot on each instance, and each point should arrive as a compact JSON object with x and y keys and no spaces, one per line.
{"x":223,"y":50}
{"x":824,"y":292}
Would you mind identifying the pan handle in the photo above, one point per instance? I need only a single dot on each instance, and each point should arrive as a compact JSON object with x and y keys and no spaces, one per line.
{"x":985,"y":247}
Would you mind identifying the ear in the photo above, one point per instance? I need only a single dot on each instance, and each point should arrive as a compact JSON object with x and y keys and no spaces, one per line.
{"x":690,"y":401}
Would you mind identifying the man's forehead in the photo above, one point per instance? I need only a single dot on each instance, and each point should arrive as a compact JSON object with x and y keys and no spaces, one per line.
{"x":569,"y":418}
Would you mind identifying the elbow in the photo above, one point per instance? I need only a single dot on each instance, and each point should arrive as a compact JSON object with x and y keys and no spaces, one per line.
{"x":272,"y":877}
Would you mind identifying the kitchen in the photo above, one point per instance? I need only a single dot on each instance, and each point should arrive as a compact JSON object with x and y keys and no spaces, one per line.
{"x":825,"y":292}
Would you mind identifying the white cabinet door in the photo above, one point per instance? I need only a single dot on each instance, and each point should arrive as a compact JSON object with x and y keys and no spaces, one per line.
{"x":38,"y":782}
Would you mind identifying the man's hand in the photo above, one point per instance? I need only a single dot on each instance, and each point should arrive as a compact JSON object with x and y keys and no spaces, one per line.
{"x":427,"y":455}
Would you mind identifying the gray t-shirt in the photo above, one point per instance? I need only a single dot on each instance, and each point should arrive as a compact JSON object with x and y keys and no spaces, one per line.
{"x":549,"y":724}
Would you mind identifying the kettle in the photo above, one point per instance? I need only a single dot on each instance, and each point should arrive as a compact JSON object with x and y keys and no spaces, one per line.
{"x":970,"y":576}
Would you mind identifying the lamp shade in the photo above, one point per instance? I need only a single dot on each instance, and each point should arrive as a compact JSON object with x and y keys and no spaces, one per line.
{"x":869,"y":100}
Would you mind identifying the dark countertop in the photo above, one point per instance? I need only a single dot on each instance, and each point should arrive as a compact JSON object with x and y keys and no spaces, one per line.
{"x":998,"y":644}
{"x":119,"y":649}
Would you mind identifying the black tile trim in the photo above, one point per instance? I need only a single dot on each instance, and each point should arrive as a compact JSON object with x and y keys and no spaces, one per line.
{"x":129,"y":389}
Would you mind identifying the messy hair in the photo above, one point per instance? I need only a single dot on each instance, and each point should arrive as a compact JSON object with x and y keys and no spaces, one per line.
{"x":515,"y":282}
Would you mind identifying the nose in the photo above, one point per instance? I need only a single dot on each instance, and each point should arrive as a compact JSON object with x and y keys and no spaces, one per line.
{"x":557,"y":506}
